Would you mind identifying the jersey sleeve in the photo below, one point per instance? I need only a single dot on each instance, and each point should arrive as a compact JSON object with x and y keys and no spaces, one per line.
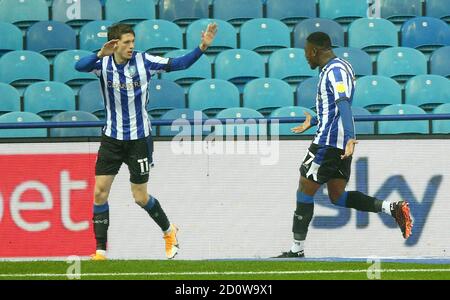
{"x":340,"y":83}
{"x":155,"y":64}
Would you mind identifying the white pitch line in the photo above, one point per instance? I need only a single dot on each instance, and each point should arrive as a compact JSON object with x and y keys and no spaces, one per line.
{"x":229,"y":273}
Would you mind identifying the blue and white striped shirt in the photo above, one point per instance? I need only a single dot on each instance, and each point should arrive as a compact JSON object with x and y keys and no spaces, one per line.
{"x":336,"y":81}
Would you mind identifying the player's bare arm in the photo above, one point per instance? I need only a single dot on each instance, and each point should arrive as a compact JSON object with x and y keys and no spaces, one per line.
{"x":305,"y":126}
{"x":349,"y":148}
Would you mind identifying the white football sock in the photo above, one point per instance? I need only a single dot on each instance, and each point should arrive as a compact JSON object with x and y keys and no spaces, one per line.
{"x":386,"y":207}
{"x":101,"y":252}
{"x":298,"y":246}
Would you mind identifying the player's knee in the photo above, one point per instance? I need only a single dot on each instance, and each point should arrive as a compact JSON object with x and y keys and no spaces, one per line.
{"x":334,"y":196}
{"x":141,"y":198}
{"x":100,"y":195}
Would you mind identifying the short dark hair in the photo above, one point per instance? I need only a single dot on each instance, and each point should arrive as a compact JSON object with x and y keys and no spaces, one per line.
{"x":319,"y":39}
{"x":115,"y":31}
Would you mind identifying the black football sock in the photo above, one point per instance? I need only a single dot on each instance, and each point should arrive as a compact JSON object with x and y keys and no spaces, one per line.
{"x":158,"y":215}
{"x":101,"y":224}
{"x":302,"y":216}
{"x":359,"y":201}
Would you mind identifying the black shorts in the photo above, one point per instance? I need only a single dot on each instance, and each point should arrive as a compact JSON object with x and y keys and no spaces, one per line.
{"x":323,"y":163}
{"x":137,"y":154}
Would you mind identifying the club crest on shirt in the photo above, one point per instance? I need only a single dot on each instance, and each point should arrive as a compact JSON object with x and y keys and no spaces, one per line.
{"x":132,"y":71}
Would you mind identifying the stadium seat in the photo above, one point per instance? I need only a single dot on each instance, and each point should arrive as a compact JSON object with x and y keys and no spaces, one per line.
{"x":264,"y":35}
{"x":401,"y":63}
{"x":365,"y":127}
{"x":307,"y":93}
{"x":290,"y":65}
{"x":9,"y":99}
{"x":428,"y":90}
{"x":360,"y":60}
{"x":183,"y":12}
{"x":343,"y":12}
{"x":51,"y":37}
{"x":11,"y":38}
{"x":91,"y":99}
{"x":289,"y":111}
{"x":21,"y":117}
{"x":183,"y":128}
{"x":250,"y":127}
{"x":289,"y":11}
{"x":213,"y":95}
{"x":158,"y":37}
{"x":237,"y":12}
{"x":303,"y":29}
{"x":75,"y":116}
{"x":398,"y":11}
{"x":93,"y":35}
{"x":425,"y":34}
{"x":239,"y":66}
{"x":201,"y":69}
{"x":164,"y":95}
{"x":48,"y":98}
{"x":23,"y":13}
{"x":441,"y":126}
{"x":439,"y":62}
{"x":375,"y":92}
{"x":225,"y":38}
{"x":267,"y":94}
{"x":135,"y":12}
{"x":64,"y":68}
{"x":76,"y":13}
{"x":399,"y":127}
{"x":21,"y":68}
{"x":438,"y":9}
{"x":372,"y":35}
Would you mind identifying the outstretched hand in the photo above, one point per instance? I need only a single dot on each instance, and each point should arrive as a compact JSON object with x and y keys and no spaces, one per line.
{"x":208,"y":36}
{"x":108,"y":48}
{"x":305,"y":126}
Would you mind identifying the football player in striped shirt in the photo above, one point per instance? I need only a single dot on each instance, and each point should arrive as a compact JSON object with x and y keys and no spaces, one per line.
{"x":328,"y":159}
{"x":124,"y":77}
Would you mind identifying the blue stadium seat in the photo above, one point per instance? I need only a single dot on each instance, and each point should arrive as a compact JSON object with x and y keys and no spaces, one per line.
{"x":91,"y":99}
{"x":164,"y":95}
{"x":401,"y":63}
{"x":237,"y":12}
{"x":398,"y":11}
{"x":343,"y":12}
{"x":23,"y":13}
{"x":290,"y":65}
{"x":239,"y":66}
{"x":94,"y":34}
{"x":158,"y":36}
{"x":441,"y":126}
{"x":23,"y":67}
{"x":48,"y":98}
{"x":375,"y":92}
{"x":307,"y":93}
{"x":225,"y":38}
{"x":363,"y":127}
{"x":264,"y":35}
{"x":303,"y":29}
{"x":425,"y":34}
{"x":201,"y":69}
{"x":398,"y":127}
{"x":267,"y":94}
{"x":183,"y":12}
{"x":129,"y":11}
{"x":439,"y":62}
{"x":290,"y":111}
{"x":372,"y":35}
{"x":289,"y":11}
{"x":76,"y":13}
{"x":9,"y":99}
{"x":248,"y":128}
{"x":360,"y":60}
{"x":182,"y":126}
{"x":11,"y":38}
{"x":64,"y":68}
{"x":438,"y":9}
{"x":51,"y":37}
{"x":21,"y":117}
{"x":213,"y":95}
{"x":75,"y":116}
{"x":427,"y":90}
